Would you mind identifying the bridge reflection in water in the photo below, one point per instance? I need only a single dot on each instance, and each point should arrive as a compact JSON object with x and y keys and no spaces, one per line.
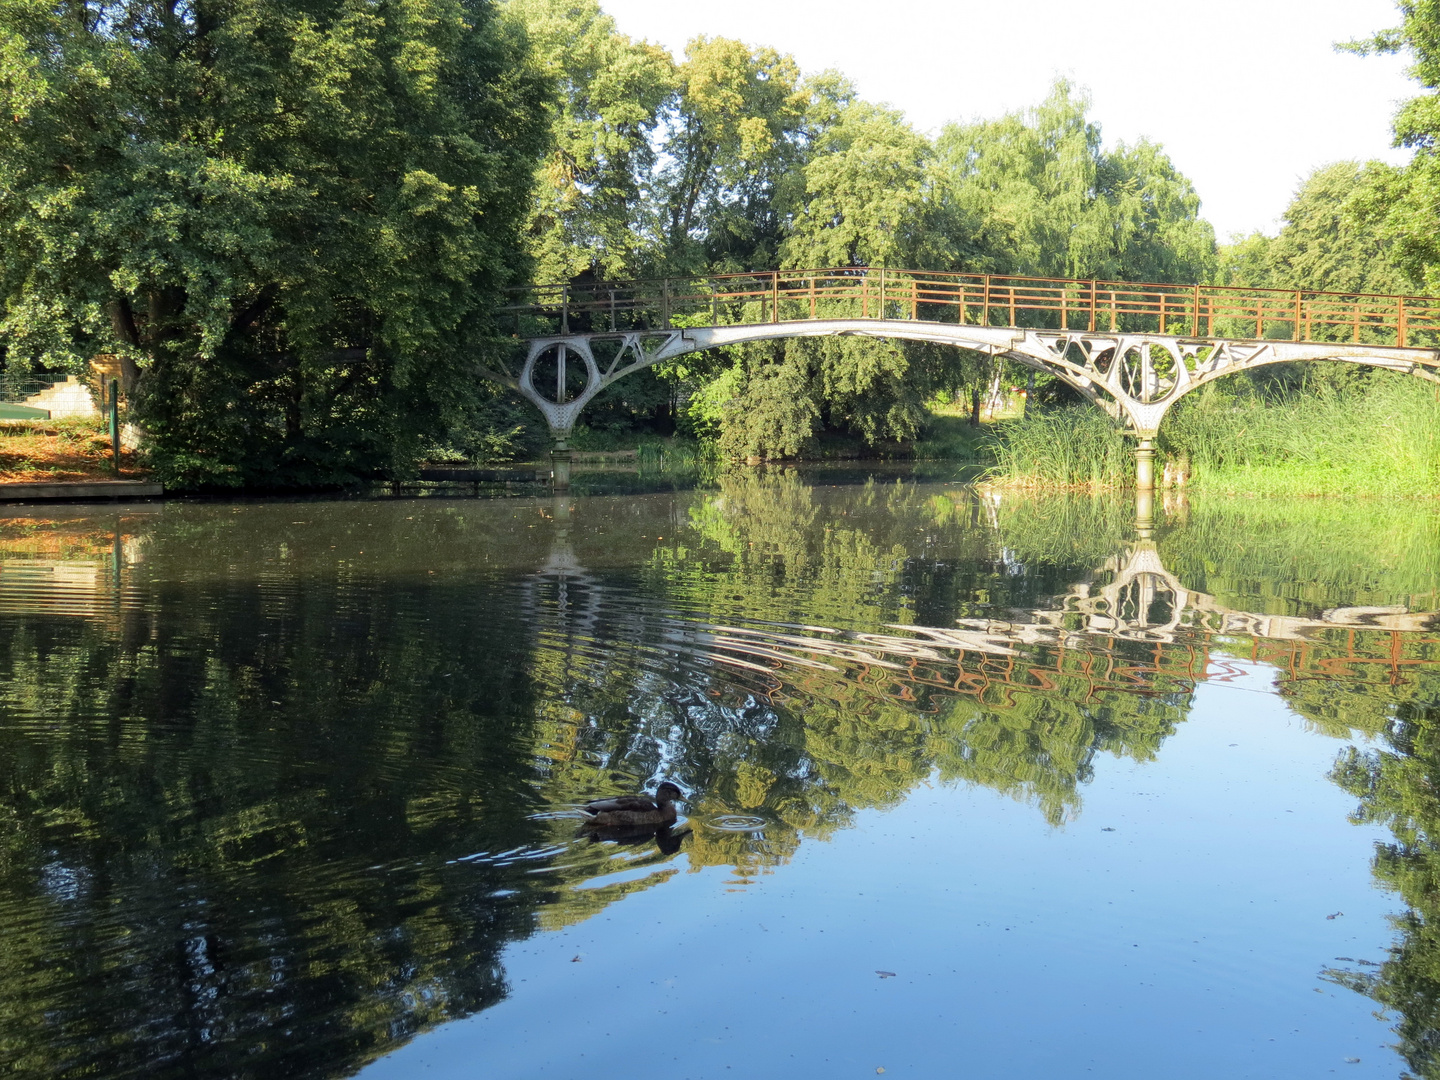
{"x":1131,"y":598}
{"x":324,"y":759}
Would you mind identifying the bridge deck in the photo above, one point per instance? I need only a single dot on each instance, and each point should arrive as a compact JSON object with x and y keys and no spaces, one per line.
{"x":987,"y":300}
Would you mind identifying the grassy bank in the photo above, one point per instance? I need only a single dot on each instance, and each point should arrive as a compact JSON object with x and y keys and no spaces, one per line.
{"x":1378,"y":437}
{"x":59,"y":450}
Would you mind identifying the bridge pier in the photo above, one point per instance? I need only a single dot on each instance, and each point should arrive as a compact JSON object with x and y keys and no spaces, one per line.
{"x":1145,"y":464}
{"x":560,"y":465}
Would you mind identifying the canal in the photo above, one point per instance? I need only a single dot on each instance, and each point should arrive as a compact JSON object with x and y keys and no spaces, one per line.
{"x":975,"y":784}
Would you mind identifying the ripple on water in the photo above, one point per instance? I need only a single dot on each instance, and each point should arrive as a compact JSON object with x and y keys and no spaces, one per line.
{"x":736,"y":823}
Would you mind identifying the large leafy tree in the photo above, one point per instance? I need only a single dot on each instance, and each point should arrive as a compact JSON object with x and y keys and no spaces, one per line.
{"x":290,"y":219}
{"x":1408,"y":204}
{"x":863,"y":197}
{"x":590,"y":213}
{"x":1330,"y":238}
{"x":1044,"y":196}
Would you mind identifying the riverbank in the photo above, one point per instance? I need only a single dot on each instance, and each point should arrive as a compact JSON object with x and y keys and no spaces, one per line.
{"x":61,"y":451}
{"x":1377,"y":437}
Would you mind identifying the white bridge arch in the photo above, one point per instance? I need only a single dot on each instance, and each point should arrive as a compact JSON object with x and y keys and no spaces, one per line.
{"x":1162,"y":341}
{"x":1136,"y":378}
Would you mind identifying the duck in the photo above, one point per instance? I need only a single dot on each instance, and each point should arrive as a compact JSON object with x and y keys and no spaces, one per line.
{"x":629,"y":811}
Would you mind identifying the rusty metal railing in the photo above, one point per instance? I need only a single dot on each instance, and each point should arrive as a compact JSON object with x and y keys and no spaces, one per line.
{"x":1193,"y":311}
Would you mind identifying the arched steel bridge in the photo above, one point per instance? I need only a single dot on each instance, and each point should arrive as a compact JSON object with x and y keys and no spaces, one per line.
{"x":1134,"y":349}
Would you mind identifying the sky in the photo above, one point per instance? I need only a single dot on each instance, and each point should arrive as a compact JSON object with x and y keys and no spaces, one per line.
{"x":1247,"y":96}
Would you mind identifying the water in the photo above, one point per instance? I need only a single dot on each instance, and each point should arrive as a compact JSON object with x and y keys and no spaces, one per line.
{"x":976,"y":786}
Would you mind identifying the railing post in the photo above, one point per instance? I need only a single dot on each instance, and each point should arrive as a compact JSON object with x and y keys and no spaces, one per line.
{"x":1091,"y":327}
{"x":1296,"y":335}
{"x":565,"y":308}
{"x":985,"y":304}
{"x":775,"y":295}
{"x":882,"y":292}
{"x":812,"y":296}
{"x":714,"y":305}
{"x":665,"y":304}
{"x":1400,"y":321}
{"x":1195,"y":321}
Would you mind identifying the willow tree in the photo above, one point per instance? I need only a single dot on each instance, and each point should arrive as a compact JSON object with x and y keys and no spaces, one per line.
{"x":290,"y":220}
{"x":1045,"y":196}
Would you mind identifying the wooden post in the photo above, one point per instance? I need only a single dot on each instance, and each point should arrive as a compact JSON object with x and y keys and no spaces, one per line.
{"x":882,"y":292}
{"x":985,"y":304}
{"x":1092,"y":306}
{"x":114,"y":411}
{"x":1400,"y":321}
{"x":665,"y":304}
{"x":1296,"y":335}
{"x":775,"y":295}
{"x":1195,"y":320}
{"x":565,"y":308}
{"x":812,"y":296}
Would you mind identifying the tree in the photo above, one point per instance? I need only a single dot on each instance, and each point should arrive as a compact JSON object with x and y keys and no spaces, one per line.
{"x":1329,"y":241}
{"x":1039,"y":194}
{"x":292,"y":222}
{"x":588,"y":214}
{"x":1406,"y":202}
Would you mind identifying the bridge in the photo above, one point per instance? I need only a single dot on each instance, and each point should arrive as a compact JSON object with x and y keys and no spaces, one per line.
{"x":1132,"y":348}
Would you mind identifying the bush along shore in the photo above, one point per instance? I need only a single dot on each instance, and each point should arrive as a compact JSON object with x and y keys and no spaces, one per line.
{"x":1378,"y":435}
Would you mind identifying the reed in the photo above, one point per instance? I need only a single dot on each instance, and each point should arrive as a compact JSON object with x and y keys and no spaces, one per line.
{"x":1377,"y":437}
{"x":1067,"y":448}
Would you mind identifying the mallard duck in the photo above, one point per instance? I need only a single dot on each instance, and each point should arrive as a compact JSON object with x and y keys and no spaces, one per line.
{"x":633,"y":810}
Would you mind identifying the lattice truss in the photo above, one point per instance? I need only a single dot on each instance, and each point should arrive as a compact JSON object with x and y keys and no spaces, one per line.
{"x":1136,"y":378}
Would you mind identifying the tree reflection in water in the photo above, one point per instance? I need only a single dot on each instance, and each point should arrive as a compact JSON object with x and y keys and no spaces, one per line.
{"x":282,"y":781}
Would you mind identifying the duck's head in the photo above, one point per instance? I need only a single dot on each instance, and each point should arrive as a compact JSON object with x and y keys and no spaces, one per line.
{"x":668,"y":793}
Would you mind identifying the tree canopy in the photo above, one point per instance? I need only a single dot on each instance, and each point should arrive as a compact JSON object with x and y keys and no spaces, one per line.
{"x":292,"y":222}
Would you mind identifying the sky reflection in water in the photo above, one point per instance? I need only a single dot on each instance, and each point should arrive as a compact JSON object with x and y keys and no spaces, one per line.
{"x":286,"y":784}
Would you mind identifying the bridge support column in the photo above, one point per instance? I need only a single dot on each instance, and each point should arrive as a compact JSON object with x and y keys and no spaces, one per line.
{"x":560,"y":465}
{"x":1145,"y":465}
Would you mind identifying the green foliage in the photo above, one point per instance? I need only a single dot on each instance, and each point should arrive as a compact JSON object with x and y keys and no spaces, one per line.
{"x":589,"y":212}
{"x":1405,"y":204}
{"x":1041,"y":195}
{"x":1381,"y":436}
{"x":1330,"y":240}
{"x":772,"y":415}
{"x":1075,"y":446}
{"x":292,"y":223}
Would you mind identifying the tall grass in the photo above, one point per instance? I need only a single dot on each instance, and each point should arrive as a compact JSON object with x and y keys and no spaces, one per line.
{"x":1073,"y":447}
{"x":1379,"y":436}
{"x":1382,"y":438}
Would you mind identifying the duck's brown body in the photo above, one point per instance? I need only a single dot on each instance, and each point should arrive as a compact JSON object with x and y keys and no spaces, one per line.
{"x":631,"y":811}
